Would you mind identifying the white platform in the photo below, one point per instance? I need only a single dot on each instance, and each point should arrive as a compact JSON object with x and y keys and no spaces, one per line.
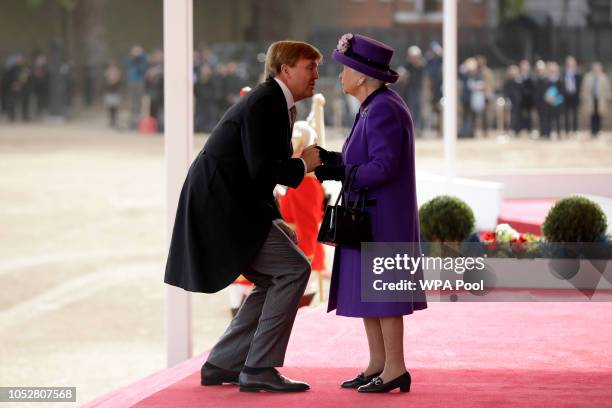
{"x":483,"y":197}
{"x":548,"y":183}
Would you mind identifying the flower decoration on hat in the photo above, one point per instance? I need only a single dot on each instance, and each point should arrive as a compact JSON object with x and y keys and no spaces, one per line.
{"x":344,"y":43}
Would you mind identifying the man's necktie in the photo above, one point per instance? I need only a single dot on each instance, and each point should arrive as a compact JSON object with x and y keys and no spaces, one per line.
{"x":293,"y":116}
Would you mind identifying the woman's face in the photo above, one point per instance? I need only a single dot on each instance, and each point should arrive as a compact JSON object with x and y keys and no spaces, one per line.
{"x":350,"y":80}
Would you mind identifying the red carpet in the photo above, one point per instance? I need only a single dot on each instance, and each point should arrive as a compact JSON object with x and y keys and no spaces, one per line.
{"x":459,"y":354}
{"x":432,"y":388}
{"x":525,"y":215}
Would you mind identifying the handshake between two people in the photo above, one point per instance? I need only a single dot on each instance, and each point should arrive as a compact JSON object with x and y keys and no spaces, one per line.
{"x":321,"y":161}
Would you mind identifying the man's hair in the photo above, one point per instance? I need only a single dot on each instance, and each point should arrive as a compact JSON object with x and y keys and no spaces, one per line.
{"x":288,"y":53}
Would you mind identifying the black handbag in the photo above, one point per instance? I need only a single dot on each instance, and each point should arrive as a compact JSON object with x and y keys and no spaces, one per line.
{"x":346,"y":226}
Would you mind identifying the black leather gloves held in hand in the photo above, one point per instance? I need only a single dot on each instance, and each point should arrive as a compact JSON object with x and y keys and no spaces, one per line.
{"x":327,"y":172}
{"x":325,"y":156}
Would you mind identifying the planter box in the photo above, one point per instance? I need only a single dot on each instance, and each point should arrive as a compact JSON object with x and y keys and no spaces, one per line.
{"x":534,"y":280}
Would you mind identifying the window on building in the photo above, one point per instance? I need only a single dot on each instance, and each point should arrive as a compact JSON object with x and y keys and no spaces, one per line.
{"x":423,"y":11}
{"x":432,"y":6}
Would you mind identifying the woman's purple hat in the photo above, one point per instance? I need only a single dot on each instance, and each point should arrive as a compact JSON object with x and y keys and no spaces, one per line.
{"x":366,"y":55}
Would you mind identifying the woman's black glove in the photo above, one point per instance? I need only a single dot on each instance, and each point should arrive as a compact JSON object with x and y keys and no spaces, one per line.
{"x":327,"y":172}
{"x":326,"y":156}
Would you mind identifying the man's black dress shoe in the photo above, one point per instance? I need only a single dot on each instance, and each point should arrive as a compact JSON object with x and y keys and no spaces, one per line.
{"x":270,"y":380}
{"x":376,"y":385}
{"x":360,"y":380}
{"x":213,"y":375}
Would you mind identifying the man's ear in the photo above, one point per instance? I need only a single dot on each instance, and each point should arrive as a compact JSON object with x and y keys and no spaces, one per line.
{"x":285,"y":69}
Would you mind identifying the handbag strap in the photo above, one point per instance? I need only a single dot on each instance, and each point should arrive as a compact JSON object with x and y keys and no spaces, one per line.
{"x":360,"y":194}
{"x":348,"y":181}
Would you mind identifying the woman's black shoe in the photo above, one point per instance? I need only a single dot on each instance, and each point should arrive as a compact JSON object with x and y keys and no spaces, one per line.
{"x":360,"y":380}
{"x":376,"y":385}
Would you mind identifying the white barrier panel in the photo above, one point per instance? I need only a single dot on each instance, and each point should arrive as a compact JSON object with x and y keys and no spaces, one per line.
{"x":606,"y":205}
{"x":484,"y":197}
{"x":551,"y":183}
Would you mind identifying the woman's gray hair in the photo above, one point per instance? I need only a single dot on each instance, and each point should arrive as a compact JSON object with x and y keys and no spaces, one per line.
{"x":373,"y":82}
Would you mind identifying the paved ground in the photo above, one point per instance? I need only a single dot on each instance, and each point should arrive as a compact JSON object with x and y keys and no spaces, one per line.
{"x":82,"y":233}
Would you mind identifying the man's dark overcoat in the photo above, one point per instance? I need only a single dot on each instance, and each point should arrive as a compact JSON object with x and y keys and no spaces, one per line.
{"x":226,"y":206}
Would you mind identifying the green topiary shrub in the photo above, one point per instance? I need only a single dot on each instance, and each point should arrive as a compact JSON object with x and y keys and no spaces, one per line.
{"x":446,"y":219}
{"x":574,"y":219}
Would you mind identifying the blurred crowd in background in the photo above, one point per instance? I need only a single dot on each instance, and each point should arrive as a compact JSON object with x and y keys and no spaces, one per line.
{"x":538,"y":98}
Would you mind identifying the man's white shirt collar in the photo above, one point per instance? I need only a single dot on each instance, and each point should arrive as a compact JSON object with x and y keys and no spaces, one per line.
{"x":287,"y":93}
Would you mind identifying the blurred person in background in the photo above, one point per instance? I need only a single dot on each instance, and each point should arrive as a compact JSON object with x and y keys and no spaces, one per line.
{"x":571,"y":83}
{"x":197,"y":64}
{"x":4,"y":83}
{"x":527,"y":95}
{"x":17,"y":82}
{"x":233,"y":83}
{"x":488,"y":79}
{"x":25,"y":93}
{"x":136,"y":69}
{"x":207,"y":56}
{"x":540,"y":85}
{"x":472,"y":97}
{"x":88,"y":85}
{"x":220,"y":76}
{"x":410,"y":83}
{"x":112,"y":91}
{"x":553,"y":99}
{"x":596,"y":94}
{"x":513,"y":94}
{"x":40,"y":85}
{"x":154,"y":87}
{"x":433,"y":75}
{"x":205,"y":100}
{"x":67,"y":80}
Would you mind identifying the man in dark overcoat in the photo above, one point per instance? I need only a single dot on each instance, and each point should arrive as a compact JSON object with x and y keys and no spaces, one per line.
{"x":227,"y":222}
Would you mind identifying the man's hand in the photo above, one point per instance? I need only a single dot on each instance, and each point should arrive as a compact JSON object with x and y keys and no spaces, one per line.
{"x":288,"y":231}
{"x":311,"y":157}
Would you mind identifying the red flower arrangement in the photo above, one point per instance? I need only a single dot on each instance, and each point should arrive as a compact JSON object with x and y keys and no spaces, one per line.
{"x":505,"y":241}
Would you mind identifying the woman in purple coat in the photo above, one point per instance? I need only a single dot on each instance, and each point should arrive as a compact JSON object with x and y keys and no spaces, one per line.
{"x":381,"y":145}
